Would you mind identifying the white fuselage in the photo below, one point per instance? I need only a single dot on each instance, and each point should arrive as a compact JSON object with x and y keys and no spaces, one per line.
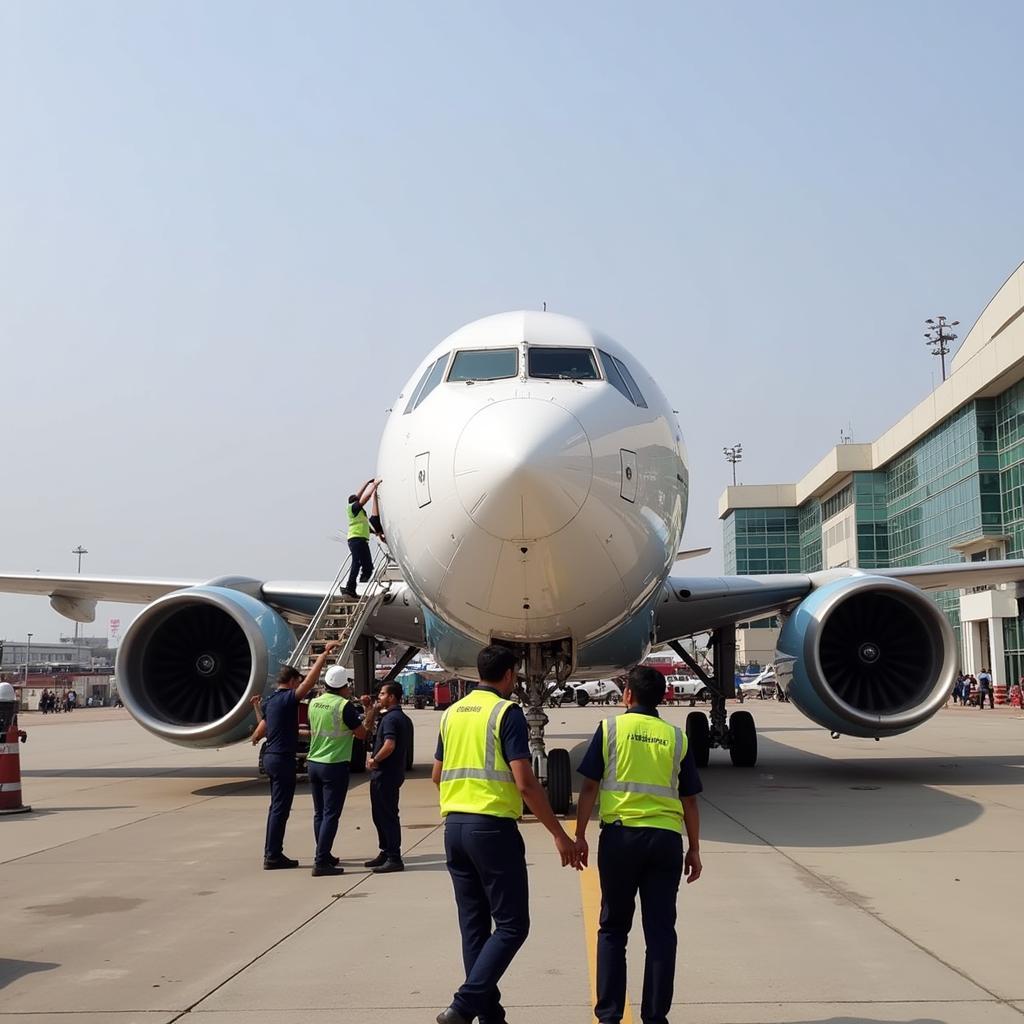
{"x":533,"y":509}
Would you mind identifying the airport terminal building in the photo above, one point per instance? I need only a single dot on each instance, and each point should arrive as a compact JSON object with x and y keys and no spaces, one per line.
{"x":945,"y":484}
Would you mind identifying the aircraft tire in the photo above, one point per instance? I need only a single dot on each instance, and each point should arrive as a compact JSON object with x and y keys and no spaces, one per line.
{"x":742,"y":739}
{"x":559,"y":781}
{"x":582,"y":697}
{"x":698,"y":737}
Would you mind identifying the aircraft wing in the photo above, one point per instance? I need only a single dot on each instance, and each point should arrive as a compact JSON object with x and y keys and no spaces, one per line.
{"x":694,"y":604}
{"x":76,"y":596}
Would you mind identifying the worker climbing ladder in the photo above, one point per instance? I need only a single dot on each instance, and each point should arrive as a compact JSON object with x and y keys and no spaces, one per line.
{"x":342,"y":619}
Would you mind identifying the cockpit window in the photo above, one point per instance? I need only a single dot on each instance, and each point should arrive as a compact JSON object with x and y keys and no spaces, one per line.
{"x":635,"y":392}
{"x":484,"y":364}
{"x":621,"y":379}
{"x":432,"y":376}
{"x":563,"y":364}
{"x":611,"y":371}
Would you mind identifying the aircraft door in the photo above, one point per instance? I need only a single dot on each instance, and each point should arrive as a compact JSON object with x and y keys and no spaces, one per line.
{"x":628,"y":481}
{"x":422,"y":479}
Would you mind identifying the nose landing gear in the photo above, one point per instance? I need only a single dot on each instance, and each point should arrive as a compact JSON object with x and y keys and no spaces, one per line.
{"x":553,"y":768}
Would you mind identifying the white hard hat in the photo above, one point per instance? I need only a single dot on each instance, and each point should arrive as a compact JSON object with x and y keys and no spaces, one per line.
{"x":336,"y":678}
{"x":6,"y":691}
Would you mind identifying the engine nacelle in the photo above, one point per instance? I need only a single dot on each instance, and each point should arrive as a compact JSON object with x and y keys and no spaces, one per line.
{"x":867,"y":656}
{"x":189,"y":665}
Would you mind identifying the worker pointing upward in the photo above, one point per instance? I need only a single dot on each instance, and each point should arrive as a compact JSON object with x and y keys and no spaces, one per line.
{"x":648,"y":786}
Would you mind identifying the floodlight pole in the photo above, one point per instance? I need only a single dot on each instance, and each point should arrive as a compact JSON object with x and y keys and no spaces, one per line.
{"x":78,"y":551}
{"x":939,"y":337}
{"x":733,"y":454}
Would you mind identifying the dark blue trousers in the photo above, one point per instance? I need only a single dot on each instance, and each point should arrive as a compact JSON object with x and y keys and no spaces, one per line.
{"x":487,"y":864}
{"x":361,"y":560}
{"x":648,"y":861}
{"x":280,"y":769}
{"x":384,"y":808}
{"x":329,"y":785}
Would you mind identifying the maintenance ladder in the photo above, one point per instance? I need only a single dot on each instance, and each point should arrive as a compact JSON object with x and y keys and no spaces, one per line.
{"x":340,"y":618}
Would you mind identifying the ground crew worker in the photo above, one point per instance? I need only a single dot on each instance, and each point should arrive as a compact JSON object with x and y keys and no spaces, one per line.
{"x":482,"y":767}
{"x":334,"y":724}
{"x":387,"y":773}
{"x":648,"y":785}
{"x":359,"y":538}
{"x":279,"y":721}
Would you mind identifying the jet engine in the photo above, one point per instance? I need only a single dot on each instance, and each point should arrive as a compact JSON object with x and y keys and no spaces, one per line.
{"x":867,"y":656}
{"x":189,"y":665}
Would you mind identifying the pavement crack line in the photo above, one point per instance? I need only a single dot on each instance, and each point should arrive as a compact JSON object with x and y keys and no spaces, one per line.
{"x":284,"y":938}
{"x":845,"y":896}
{"x":114,"y":828}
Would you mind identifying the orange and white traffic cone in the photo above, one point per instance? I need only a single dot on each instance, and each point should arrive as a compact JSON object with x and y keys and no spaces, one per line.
{"x":10,"y":774}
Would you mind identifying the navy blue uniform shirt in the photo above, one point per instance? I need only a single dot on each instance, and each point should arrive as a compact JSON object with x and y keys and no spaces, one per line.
{"x":592,"y":765}
{"x":514,"y":737}
{"x":394,"y":725}
{"x":281,"y":712}
{"x":351,"y":715}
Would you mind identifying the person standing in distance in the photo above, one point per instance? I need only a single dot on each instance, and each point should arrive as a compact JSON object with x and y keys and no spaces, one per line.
{"x":985,"y":690}
{"x":647,"y":781}
{"x":279,"y":722}
{"x":387,"y":773}
{"x":335,"y":723}
{"x":483,"y":769}
{"x":359,"y":538}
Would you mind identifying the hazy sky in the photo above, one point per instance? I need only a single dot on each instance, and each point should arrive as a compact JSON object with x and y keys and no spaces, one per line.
{"x":228,"y":232}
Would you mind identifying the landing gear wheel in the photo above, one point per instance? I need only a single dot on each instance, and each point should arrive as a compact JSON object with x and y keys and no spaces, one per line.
{"x":742,"y":739}
{"x":559,"y":781}
{"x":582,"y":697}
{"x":698,"y":737}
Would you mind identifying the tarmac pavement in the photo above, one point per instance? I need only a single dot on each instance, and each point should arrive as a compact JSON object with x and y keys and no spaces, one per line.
{"x":844,"y":881}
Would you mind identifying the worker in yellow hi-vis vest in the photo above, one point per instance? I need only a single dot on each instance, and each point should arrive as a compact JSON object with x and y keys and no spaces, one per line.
{"x":358,"y":530}
{"x":639,"y":766}
{"x":484,"y":772}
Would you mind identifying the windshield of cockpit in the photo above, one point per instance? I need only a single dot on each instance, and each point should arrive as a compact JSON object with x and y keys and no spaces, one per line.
{"x":562,"y":364}
{"x":484,"y":364}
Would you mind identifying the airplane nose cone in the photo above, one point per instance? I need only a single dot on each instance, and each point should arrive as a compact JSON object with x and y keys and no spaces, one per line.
{"x":523,"y":468}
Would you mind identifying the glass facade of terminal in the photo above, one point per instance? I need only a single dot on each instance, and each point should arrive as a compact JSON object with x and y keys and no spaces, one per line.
{"x":961,"y":483}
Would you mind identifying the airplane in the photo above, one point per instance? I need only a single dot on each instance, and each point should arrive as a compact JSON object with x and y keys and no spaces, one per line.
{"x":535,"y":491}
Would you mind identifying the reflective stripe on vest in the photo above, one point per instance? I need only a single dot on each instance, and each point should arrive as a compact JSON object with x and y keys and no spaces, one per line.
{"x":475,"y":778}
{"x":330,"y":739}
{"x":358,"y":526}
{"x":642,"y":791}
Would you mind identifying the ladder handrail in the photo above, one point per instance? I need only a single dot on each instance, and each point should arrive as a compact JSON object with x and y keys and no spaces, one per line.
{"x":318,"y":617}
{"x":362,"y":609}
{"x":368,"y":604}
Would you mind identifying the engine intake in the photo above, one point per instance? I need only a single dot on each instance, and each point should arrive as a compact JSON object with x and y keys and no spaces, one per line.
{"x":867,"y":656}
{"x":190,"y":663}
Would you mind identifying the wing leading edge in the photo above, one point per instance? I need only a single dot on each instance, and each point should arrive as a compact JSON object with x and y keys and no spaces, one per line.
{"x":694,"y":604}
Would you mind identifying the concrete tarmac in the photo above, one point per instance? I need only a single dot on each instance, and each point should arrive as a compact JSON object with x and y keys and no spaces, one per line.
{"x":844,"y":881}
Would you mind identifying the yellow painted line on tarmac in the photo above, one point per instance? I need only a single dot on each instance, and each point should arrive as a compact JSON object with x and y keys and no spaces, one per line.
{"x":590,"y":895}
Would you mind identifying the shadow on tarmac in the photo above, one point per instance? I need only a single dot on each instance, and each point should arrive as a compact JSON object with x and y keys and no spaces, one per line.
{"x":869,"y":1020}
{"x":793,"y":798}
{"x":12,"y":970}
